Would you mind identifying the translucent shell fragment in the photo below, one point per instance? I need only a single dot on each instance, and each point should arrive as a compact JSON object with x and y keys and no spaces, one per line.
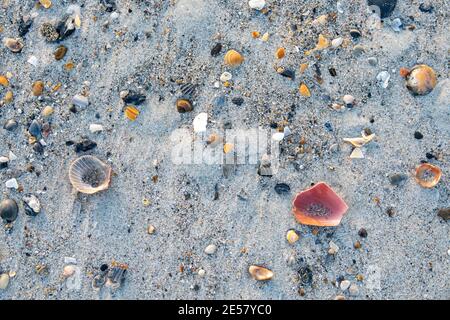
{"x":89,"y":175}
{"x":260,"y":273}
{"x":319,"y":206}
{"x":428,"y":175}
{"x":421,"y":80}
{"x":233,"y":58}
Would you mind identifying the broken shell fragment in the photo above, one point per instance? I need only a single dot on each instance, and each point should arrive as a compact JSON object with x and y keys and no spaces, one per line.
{"x":131,"y":113}
{"x":304,"y":91}
{"x":421,"y":80}
{"x":428,"y":175}
{"x":116,"y":275}
{"x":359,"y":142}
{"x":319,"y":206}
{"x":260,"y":273}
{"x":14,"y":45}
{"x":233,"y":58}
{"x":37,"y":88}
{"x":357,"y":154}
{"x":89,"y":175}
{"x":184,"y":105}
{"x":32,"y":205}
{"x":4,"y":81}
{"x":200,"y":122}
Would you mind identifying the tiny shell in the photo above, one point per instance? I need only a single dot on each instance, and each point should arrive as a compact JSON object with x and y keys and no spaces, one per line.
{"x":319,"y":206}
{"x":428,"y":175}
{"x":4,"y":81}
{"x":89,"y":175}
{"x":200,"y":122}
{"x":421,"y":80}
{"x":37,"y":88}
{"x":228,"y":147}
{"x":260,"y":273}
{"x":68,"y":271}
{"x":265,"y":37}
{"x":304,"y":90}
{"x":233,"y":58}
{"x":292,"y":236}
{"x":14,"y":45}
{"x":131,"y":113}
{"x":184,"y":105}
{"x":280,"y":53}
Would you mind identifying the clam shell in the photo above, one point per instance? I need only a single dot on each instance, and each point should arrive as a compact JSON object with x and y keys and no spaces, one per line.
{"x":233,"y":58}
{"x":319,"y":206}
{"x":14,"y":45}
{"x":89,"y":175}
{"x":428,"y":175}
{"x":421,"y":80}
{"x":260,"y":273}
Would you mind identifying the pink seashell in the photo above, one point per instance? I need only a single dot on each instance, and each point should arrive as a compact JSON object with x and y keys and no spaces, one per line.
{"x":319,"y":206}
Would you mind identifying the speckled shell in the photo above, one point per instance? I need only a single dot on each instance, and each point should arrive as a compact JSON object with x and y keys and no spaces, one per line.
{"x":435,"y":172}
{"x":421,"y":80}
{"x":319,"y":197}
{"x":84,"y":166}
{"x":233,"y":58}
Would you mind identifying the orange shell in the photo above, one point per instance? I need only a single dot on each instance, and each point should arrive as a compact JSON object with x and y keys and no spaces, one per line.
{"x":37,"y":88}
{"x":233,"y":58}
{"x":319,"y":206}
{"x":304,"y":90}
{"x":4,"y":81}
{"x":280,"y":53}
{"x":404,"y":72}
{"x":131,"y":113}
{"x":184,"y":105}
{"x":421,"y":80}
{"x":424,"y":169}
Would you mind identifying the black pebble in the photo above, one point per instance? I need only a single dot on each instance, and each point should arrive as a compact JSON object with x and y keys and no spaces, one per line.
{"x":38,"y":147}
{"x":386,"y":6}
{"x":397,"y":179}
{"x":328,"y":126}
{"x":215,"y":51}
{"x":332,"y":72}
{"x":282,"y":188}
{"x":429,"y":155}
{"x":24,"y":27}
{"x":418,"y":135}
{"x":426,"y":7}
{"x":288,"y":73}
{"x":85,"y":145}
{"x":73,"y":109}
{"x":238,"y":101}
{"x":362,"y":233}
{"x":134,"y":98}
{"x":355,"y":33}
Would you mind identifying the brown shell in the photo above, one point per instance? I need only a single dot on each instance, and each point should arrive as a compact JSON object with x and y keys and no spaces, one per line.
{"x":280,"y":53}
{"x":428,"y":175}
{"x":37,"y":88}
{"x":60,"y":52}
{"x":260,"y":273}
{"x":421,"y":80}
{"x":233,"y":58}
{"x":184,"y":105}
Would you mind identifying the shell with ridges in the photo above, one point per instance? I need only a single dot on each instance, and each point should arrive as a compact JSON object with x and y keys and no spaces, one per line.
{"x":89,"y":175}
{"x":233,"y":58}
{"x":428,"y":175}
{"x":421,"y":80}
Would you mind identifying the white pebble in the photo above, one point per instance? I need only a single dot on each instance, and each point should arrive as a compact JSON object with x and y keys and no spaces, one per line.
{"x":70,"y":260}
{"x":12,"y":156}
{"x":337,"y":42}
{"x":80,"y":101}
{"x":278,"y":136}
{"x":33,"y":61}
{"x":12,"y":184}
{"x":4,"y":281}
{"x":348,"y":99}
{"x":200,"y":122}
{"x":211,"y":249}
{"x":114,"y":15}
{"x":334,"y":247}
{"x":94,"y":128}
{"x":201,"y":272}
{"x":226,"y":76}
{"x":344,"y":285}
{"x":257,"y":4}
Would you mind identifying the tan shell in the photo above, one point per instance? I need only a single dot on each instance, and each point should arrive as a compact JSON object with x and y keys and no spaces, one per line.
{"x":37,"y":88}
{"x":260,"y":273}
{"x":15,"y":45}
{"x":233,"y":58}
{"x":89,"y":175}
{"x":421,"y":80}
{"x":427,"y":175}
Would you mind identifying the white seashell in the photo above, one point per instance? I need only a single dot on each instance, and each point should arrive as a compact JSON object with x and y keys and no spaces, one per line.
{"x":226,"y":76}
{"x":33,"y":61}
{"x":94,"y":128}
{"x":200,"y":122}
{"x":257,"y":4}
{"x":12,"y":156}
{"x":89,"y":175}
{"x":357,"y":154}
{"x":80,"y":101}
{"x":337,"y":42}
{"x":278,"y":136}
{"x":12,"y":184}
{"x":359,"y":142}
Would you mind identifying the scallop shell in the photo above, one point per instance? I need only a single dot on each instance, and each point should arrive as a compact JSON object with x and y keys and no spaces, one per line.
{"x":428,"y":175}
{"x":89,"y":175}
{"x":260,"y":273}
{"x":421,"y":80}
{"x":233,"y":58}
{"x":319,"y":206}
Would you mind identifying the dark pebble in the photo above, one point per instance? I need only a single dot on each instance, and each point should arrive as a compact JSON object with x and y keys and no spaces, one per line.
{"x":305,"y":276}
{"x":104,"y":267}
{"x":24,"y":27}
{"x":287,"y":73}
{"x":390,"y":212}
{"x":282,"y":188}
{"x":73,"y":109}
{"x":10,"y":125}
{"x":355,"y":33}
{"x":215,"y":51}
{"x":38,"y":148}
{"x":108,"y":5}
{"x":386,"y":6}
{"x":328,"y":126}
{"x":332,"y":72}
{"x":134,"y":98}
{"x":237,"y":101}
{"x":426,"y":7}
{"x":35,"y":129}
{"x":418,"y":135}
{"x":397,"y":179}
{"x":3,"y":163}
{"x":85,"y":145}
{"x":444,"y":213}
{"x":362,"y":233}
{"x":9,"y":210}
{"x":429,"y":155}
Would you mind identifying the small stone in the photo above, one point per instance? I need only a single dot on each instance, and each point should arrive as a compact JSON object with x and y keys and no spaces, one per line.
{"x":372,"y":61}
{"x":37,"y":88}
{"x":210,"y":249}
{"x":238,"y":101}
{"x":426,"y":7}
{"x":47,"y":111}
{"x":357,"y":245}
{"x":12,"y":184}
{"x":418,"y":135}
{"x":286,"y":73}
{"x":94,"y":128}
{"x":10,"y":125}
{"x":344,"y":285}
{"x":339,"y":298}
{"x":397,"y":179}
{"x":68,"y":271}
{"x":8,"y":210}
{"x":362,"y":233}
{"x":14,"y":45}
{"x":383,"y":7}
{"x":355,"y":33}
{"x":348,"y":100}
{"x":3,"y":162}
{"x":358,"y":50}
{"x":49,"y":32}
{"x":226,"y":76}
{"x":353,"y":290}
{"x":278,"y":136}
{"x":35,"y":129}
{"x":397,"y":25}
{"x":151,"y":229}
{"x":134,"y":98}
{"x":85,"y":145}
{"x":257,"y":4}
{"x":282,"y":188}
{"x":383,"y":79}
{"x":215,"y":51}
{"x":337,"y":42}
{"x":4,"y":281}
{"x":444,"y":213}
{"x":60,"y":52}
{"x":80,"y":101}
{"x":32,"y":205}
{"x":333,"y":248}
{"x":201,"y":273}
